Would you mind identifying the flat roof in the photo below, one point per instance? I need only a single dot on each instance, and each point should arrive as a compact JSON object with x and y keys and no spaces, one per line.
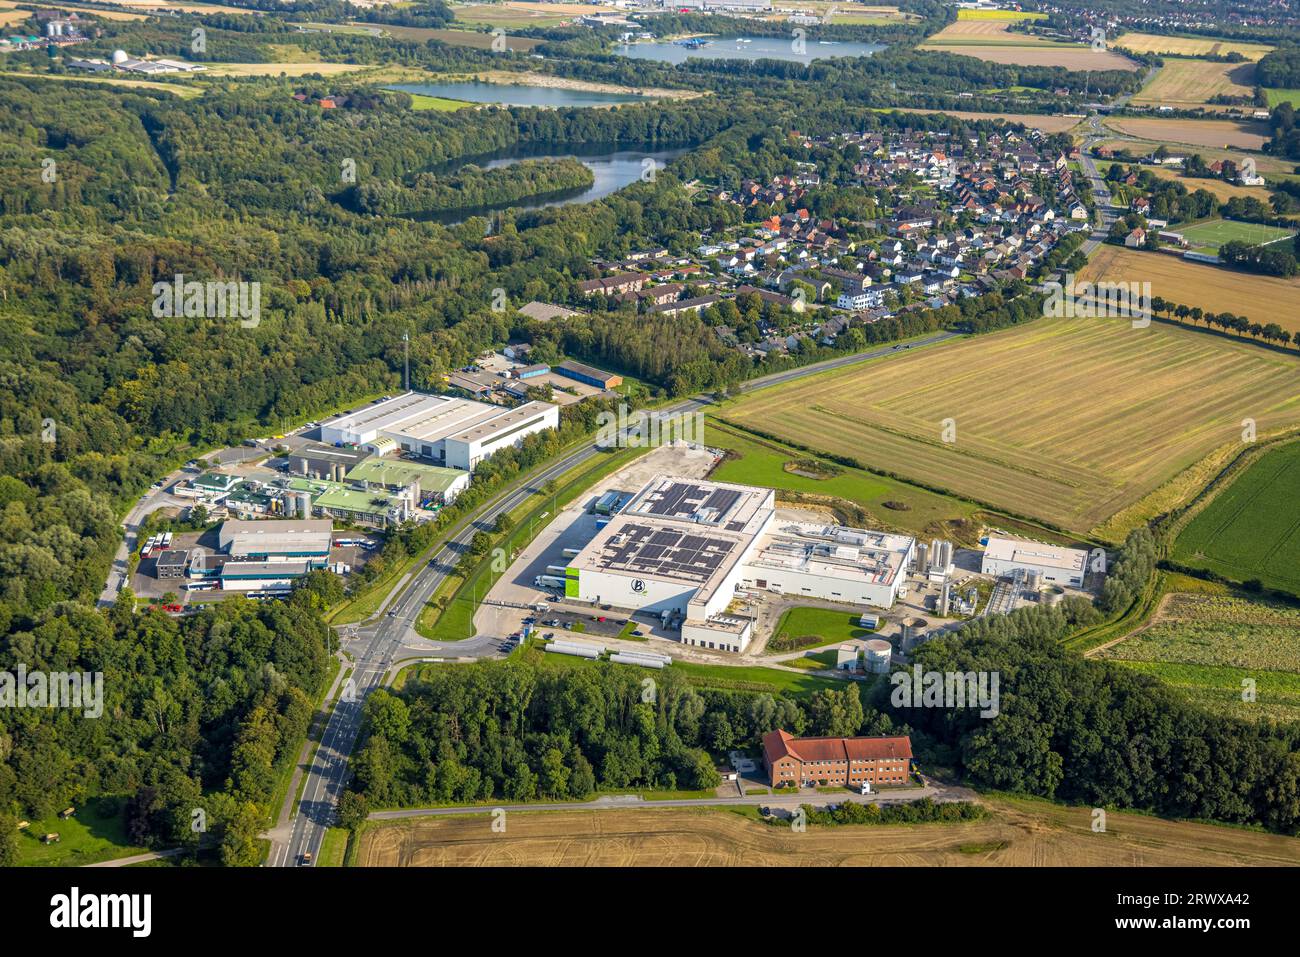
{"x":505,"y":421}
{"x":399,"y":472}
{"x":173,"y":556}
{"x":1023,"y":552}
{"x":834,"y":551}
{"x":356,"y":500}
{"x":678,"y":529}
{"x":699,"y":502}
{"x":264,"y":569}
{"x":281,"y":535}
{"x":328,"y":453}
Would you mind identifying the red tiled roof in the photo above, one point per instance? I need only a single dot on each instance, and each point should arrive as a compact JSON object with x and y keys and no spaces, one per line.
{"x":778,"y":744}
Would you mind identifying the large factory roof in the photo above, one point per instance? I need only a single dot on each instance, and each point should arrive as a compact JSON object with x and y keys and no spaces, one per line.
{"x":682,"y":530}
{"x":275,"y":536}
{"x":1019,"y":552}
{"x":714,"y":505}
{"x":427,"y":418}
{"x":832,"y":550}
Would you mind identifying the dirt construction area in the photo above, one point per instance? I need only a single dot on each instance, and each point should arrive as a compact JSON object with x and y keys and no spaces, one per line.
{"x":1017,"y":833}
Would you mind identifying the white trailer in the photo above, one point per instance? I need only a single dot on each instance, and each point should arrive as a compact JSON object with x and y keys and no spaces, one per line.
{"x":548,"y":581}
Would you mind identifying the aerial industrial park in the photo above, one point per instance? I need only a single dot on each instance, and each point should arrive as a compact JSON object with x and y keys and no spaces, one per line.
{"x":571,"y":434}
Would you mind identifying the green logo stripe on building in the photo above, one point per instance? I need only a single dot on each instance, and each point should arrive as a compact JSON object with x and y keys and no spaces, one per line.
{"x":571,"y":583}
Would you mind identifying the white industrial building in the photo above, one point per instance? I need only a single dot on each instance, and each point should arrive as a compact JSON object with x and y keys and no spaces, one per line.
{"x":1003,"y":557}
{"x":453,"y":432}
{"x":683,"y":548}
{"x":277,"y":540}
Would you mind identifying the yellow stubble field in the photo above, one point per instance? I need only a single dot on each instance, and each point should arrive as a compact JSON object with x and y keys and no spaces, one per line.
{"x":1064,"y":420}
{"x":1017,"y":833}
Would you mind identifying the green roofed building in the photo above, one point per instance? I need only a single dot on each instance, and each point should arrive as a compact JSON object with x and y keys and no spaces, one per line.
{"x":371,"y":506}
{"x":439,"y":485}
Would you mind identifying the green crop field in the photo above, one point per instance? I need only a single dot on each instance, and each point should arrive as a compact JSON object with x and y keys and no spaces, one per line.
{"x":1282,"y":96}
{"x":1252,"y":529}
{"x":756,"y":461}
{"x":439,"y":103}
{"x":1063,"y":420}
{"x":1215,"y":232}
{"x":1214,"y":647}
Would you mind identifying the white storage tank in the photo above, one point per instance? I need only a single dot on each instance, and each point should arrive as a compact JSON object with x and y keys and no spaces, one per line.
{"x":878,"y":655}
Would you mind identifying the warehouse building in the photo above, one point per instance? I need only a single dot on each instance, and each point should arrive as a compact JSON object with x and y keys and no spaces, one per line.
{"x":588,"y":374}
{"x":448,"y":431}
{"x":830,"y":561}
{"x":277,"y":540}
{"x":683,"y":548}
{"x":832,"y":762}
{"x":261,"y":576}
{"x":1003,"y":557}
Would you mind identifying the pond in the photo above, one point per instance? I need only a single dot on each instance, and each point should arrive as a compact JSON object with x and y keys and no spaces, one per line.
{"x":613,"y":167}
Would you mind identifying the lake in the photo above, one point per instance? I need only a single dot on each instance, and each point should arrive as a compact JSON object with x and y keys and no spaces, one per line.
{"x":746,"y":48}
{"x":612,"y":167}
{"x":504,"y":94}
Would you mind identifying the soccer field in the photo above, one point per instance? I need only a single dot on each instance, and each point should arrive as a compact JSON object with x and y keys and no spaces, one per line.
{"x":1213,"y":234}
{"x":1252,"y":529}
{"x":1064,"y":420}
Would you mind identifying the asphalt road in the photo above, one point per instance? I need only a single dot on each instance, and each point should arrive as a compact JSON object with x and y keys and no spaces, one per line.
{"x":381,"y":645}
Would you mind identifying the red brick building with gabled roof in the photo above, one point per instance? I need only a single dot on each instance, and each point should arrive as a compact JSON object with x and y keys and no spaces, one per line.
{"x":836,"y":761}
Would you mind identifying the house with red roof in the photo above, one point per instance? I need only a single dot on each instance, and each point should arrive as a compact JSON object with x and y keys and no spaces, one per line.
{"x":848,"y":762}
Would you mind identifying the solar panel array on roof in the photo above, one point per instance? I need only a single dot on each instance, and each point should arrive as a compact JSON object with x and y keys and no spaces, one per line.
{"x":699,"y":503}
{"x":665,"y":553}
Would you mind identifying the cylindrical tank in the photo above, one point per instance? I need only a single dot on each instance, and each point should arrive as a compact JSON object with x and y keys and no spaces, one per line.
{"x":922,"y":557}
{"x":304,"y":503}
{"x":878,"y":654}
{"x":1034,"y":580}
{"x":1053,"y":595}
{"x":912,"y":630}
{"x":119,"y":56}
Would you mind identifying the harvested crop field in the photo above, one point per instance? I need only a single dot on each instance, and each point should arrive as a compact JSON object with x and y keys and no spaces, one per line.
{"x":1064,"y":420}
{"x":1220,"y":134}
{"x":986,"y":31}
{"x":1019,"y":832}
{"x":1068,"y":55}
{"x":1261,"y":299}
{"x":991,"y":40}
{"x":1251,"y":529}
{"x":288,"y":69}
{"x":1044,"y":122}
{"x":1184,"y":84}
{"x":1189,"y":46}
